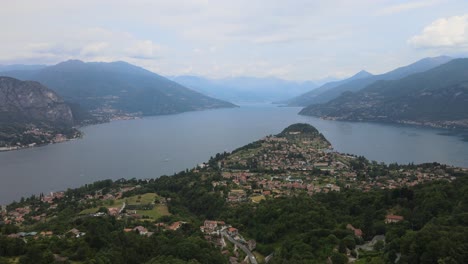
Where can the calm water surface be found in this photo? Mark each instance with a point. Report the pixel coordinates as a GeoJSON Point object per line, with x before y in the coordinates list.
{"type": "Point", "coordinates": [155, 146]}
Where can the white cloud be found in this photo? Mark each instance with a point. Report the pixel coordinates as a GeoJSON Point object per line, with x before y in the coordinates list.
{"type": "Point", "coordinates": [93, 49]}
{"type": "Point", "coordinates": [398, 8]}
{"type": "Point", "coordinates": [451, 32]}
{"type": "Point", "coordinates": [222, 38]}
{"type": "Point", "coordinates": [144, 49]}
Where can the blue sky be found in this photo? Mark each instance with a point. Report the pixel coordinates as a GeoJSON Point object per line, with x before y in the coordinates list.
{"type": "Point", "coordinates": [295, 39]}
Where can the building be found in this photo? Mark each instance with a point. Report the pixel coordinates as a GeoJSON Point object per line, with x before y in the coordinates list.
{"type": "Point", "coordinates": [175, 226]}
{"type": "Point", "coordinates": [357, 232]}
{"type": "Point", "coordinates": [141, 230]}
{"type": "Point", "coordinates": [233, 231]}
{"type": "Point", "coordinates": [209, 226]}
{"type": "Point", "coordinates": [393, 219]}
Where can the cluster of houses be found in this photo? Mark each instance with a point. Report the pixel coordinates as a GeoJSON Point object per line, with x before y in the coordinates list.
{"type": "Point", "coordinates": [20, 214]}
{"type": "Point", "coordinates": [41, 135]}
{"type": "Point", "coordinates": [291, 165]}
{"type": "Point", "coordinates": [279, 153]}
{"type": "Point", "coordinates": [74, 233]}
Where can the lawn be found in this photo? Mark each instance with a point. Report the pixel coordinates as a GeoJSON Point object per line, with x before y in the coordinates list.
{"type": "Point", "coordinates": [257, 199]}
{"type": "Point", "coordinates": [147, 198]}
{"type": "Point", "coordinates": [158, 211]}
{"type": "Point", "coordinates": [260, 258]}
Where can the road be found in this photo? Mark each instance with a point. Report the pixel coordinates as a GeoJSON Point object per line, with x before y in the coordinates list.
{"type": "Point", "coordinates": [251, 256]}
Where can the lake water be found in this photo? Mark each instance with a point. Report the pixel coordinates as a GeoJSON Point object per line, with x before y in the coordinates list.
{"type": "Point", "coordinates": [159, 145]}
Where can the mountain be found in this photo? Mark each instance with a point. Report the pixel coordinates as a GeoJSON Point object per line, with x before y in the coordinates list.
{"type": "Point", "coordinates": [118, 88]}
{"type": "Point", "coordinates": [27, 101]}
{"type": "Point", "coordinates": [305, 98]}
{"type": "Point", "coordinates": [437, 97]}
{"type": "Point", "coordinates": [246, 89]}
{"type": "Point", "coordinates": [359, 83]}
{"type": "Point", "coordinates": [32, 114]}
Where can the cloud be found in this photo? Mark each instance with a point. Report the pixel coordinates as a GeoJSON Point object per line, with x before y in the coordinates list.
{"type": "Point", "coordinates": [93, 49]}
{"type": "Point", "coordinates": [444, 33]}
{"type": "Point", "coordinates": [89, 44]}
{"type": "Point", "coordinates": [221, 38]}
{"type": "Point", "coordinates": [394, 9]}
{"type": "Point", "coordinates": [143, 49]}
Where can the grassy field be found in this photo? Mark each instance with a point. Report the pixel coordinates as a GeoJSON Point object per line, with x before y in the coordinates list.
{"type": "Point", "coordinates": [260, 258]}
{"type": "Point", "coordinates": [147, 198]}
{"type": "Point", "coordinates": [158, 211]}
{"type": "Point", "coordinates": [257, 199]}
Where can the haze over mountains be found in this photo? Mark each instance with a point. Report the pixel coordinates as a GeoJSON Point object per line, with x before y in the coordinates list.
{"type": "Point", "coordinates": [248, 89]}
{"type": "Point", "coordinates": [437, 97]}
{"type": "Point", "coordinates": [359, 81]}
{"type": "Point", "coordinates": [118, 87]}
{"type": "Point", "coordinates": [306, 98]}
{"type": "Point", "coordinates": [107, 90]}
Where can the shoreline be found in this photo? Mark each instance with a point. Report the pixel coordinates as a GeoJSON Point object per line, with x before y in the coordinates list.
{"type": "Point", "coordinates": [8, 149]}
{"type": "Point", "coordinates": [399, 122]}
{"type": "Point", "coordinates": [110, 120]}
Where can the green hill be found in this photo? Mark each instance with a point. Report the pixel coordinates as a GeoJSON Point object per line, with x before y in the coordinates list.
{"type": "Point", "coordinates": [438, 97]}
{"type": "Point", "coordinates": [360, 81]}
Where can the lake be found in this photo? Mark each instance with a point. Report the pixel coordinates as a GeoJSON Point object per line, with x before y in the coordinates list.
{"type": "Point", "coordinates": [162, 145]}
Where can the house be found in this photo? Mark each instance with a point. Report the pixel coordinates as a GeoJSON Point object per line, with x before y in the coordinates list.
{"type": "Point", "coordinates": [357, 232]}
{"type": "Point", "coordinates": [393, 219]}
{"type": "Point", "coordinates": [233, 231]}
{"type": "Point", "coordinates": [75, 232]}
{"type": "Point", "coordinates": [46, 233]}
{"type": "Point", "coordinates": [141, 230]}
{"type": "Point", "coordinates": [113, 211]}
{"type": "Point", "coordinates": [175, 226]}
{"type": "Point", "coordinates": [209, 226]}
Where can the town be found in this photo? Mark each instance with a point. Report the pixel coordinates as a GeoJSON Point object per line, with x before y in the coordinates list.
{"type": "Point", "coordinates": [296, 163]}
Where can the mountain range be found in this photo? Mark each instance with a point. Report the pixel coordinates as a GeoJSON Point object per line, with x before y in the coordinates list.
{"type": "Point", "coordinates": [436, 97]}
{"type": "Point", "coordinates": [247, 89]}
{"type": "Point", "coordinates": [117, 87]}
{"type": "Point", "coordinates": [359, 81]}
{"type": "Point", "coordinates": [305, 98]}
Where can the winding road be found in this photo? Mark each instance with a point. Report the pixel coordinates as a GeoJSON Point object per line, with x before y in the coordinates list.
{"type": "Point", "coordinates": [251, 256]}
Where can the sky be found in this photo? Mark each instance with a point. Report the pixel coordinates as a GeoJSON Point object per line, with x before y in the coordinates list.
{"type": "Point", "coordinates": [293, 39]}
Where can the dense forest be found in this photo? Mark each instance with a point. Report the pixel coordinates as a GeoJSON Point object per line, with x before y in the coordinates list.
{"type": "Point", "coordinates": [300, 229]}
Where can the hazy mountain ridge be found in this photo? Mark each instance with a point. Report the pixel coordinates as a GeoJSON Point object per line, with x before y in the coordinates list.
{"type": "Point", "coordinates": [306, 98]}
{"type": "Point", "coordinates": [118, 87]}
{"type": "Point", "coordinates": [358, 84]}
{"type": "Point", "coordinates": [437, 97]}
{"type": "Point", "coordinates": [247, 89]}
{"type": "Point", "coordinates": [21, 67]}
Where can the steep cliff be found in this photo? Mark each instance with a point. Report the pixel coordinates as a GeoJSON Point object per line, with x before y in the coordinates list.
{"type": "Point", "coordinates": [31, 102]}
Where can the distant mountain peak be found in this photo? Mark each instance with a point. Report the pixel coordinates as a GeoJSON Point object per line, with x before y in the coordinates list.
{"type": "Point", "coordinates": [361, 74]}
{"type": "Point", "coordinates": [70, 62]}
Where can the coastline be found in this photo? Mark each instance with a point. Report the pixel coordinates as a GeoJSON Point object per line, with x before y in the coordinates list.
{"type": "Point", "coordinates": [399, 122]}
{"type": "Point", "coordinates": [35, 145]}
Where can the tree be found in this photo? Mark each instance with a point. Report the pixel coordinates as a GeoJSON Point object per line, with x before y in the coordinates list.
{"type": "Point", "coordinates": [338, 258]}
